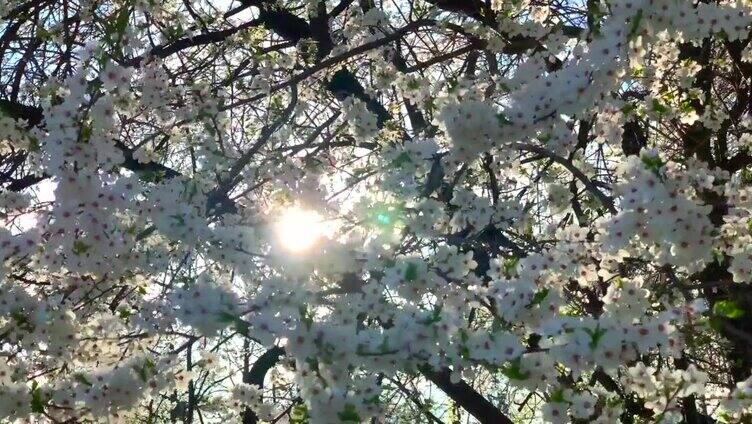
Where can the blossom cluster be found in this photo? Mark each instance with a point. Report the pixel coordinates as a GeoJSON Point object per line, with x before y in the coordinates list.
{"type": "Point", "coordinates": [502, 199]}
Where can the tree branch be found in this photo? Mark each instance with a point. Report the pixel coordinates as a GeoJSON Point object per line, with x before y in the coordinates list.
{"type": "Point", "coordinates": [466, 397]}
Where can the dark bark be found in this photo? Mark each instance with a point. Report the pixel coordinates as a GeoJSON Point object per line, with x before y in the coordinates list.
{"type": "Point", "coordinates": [633, 139]}
{"type": "Point", "coordinates": [465, 396]}
{"type": "Point", "coordinates": [344, 84]}
{"type": "Point", "coordinates": [257, 373]}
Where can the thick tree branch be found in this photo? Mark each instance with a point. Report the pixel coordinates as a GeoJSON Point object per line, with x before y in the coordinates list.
{"type": "Point", "coordinates": [257, 374]}
{"type": "Point", "coordinates": [466, 397]}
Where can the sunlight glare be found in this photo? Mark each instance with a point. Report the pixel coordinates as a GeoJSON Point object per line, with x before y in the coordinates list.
{"type": "Point", "coordinates": [299, 229]}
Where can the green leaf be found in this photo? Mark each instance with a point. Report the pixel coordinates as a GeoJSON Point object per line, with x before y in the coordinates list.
{"type": "Point", "coordinates": [413, 84]}
{"type": "Point", "coordinates": [539, 297]}
{"type": "Point", "coordinates": [209, 128]}
{"type": "Point", "coordinates": [149, 176]}
{"type": "Point", "coordinates": [595, 335]}
{"type": "Point", "coordinates": [513, 371]}
{"type": "Point", "coordinates": [635, 25]}
{"type": "Point", "coordinates": [175, 32]}
{"type": "Point", "coordinates": [718, 255]}
{"type": "Point", "coordinates": [179, 219]}
{"type": "Point", "coordinates": [147, 370]}
{"type": "Point", "coordinates": [43, 34]}
{"type": "Point", "coordinates": [659, 108]}
{"type": "Point", "coordinates": [728, 309]}
{"type": "Point", "coordinates": [121, 23]}
{"type": "Point", "coordinates": [299, 414]}
{"type": "Point", "coordinates": [502, 119]}
{"type": "Point", "coordinates": [557, 396]}
{"type": "Point", "coordinates": [498, 325]}
{"type": "Point", "coordinates": [411, 272]}
{"type": "Point", "coordinates": [81, 378]}
{"type": "Point", "coordinates": [86, 129]}
{"type": "Point", "coordinates": [79, 247]}
{"type": "Point", "coordinates": [384, 345]}
{"type": "Point", "coordinates": [510, 266]}
{"type": "Point", "coordinates": [305, 316]}
{"type": "Point", "coordinates": [20, 318]}
{"type": "Point", "coordinates": [686, 106]}
{"type": "Point", "coordinates": [240, 325]}
{"type": "Point", "coordinates": [225, 317]}
{"type": "Point", "coordinates": [349, 414]}
{"type": "Point", "coordinates": [653, 163]}
{"type": "Point", "coordinates": [435, 315]}
{"type": "Point", "coordinates": [464, 352]}
{"type": "Point", "coordinates": [192, 189]}
{"type": "Point", "coordinates": [373, 400]}
{"type": "Point", "coordinates": [313, 363]}
{"type": "Point", "coordinates": [716, 323]}
{"type": "Point", "coordinates": [402, 159]}
{"type": "Point", "coordinates": [34, 144]}
{"type": "Point", "coordinates": [628, 108]}
{"type": "Point", "coordinates": [37, 401]}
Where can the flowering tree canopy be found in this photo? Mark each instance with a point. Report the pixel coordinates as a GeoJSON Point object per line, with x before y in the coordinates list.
{"type": "Point", "coordinates": [377, 211]}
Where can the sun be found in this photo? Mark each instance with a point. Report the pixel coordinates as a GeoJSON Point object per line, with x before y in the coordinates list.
{"type": "Point", "coordinates": [298, 229]}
